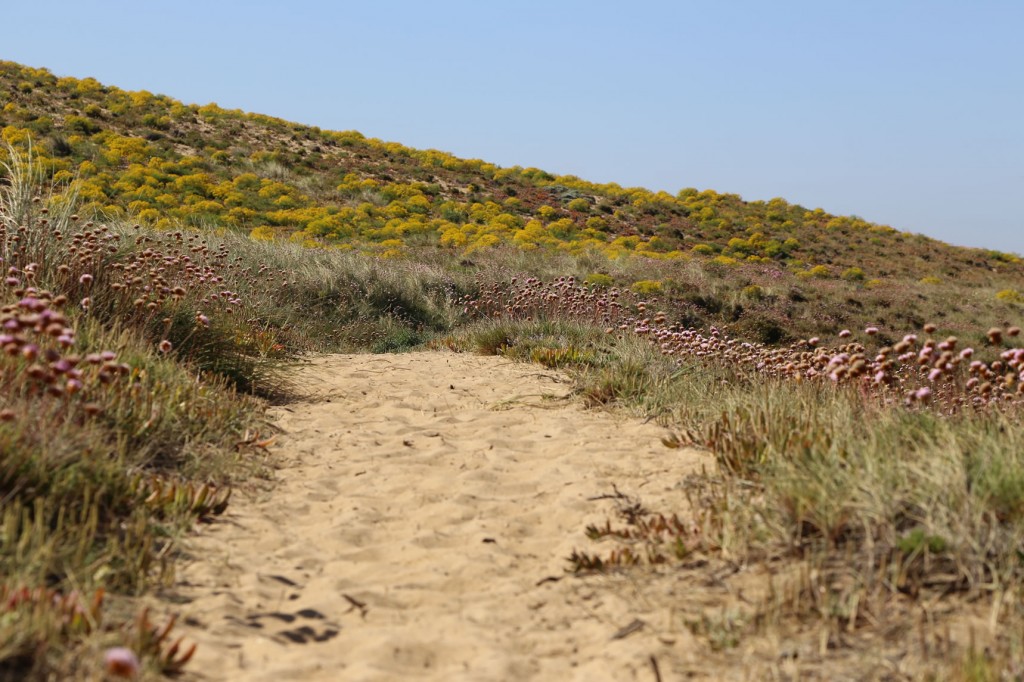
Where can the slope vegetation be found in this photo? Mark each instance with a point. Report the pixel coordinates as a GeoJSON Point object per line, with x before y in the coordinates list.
{"type": "Point", "coordinates": [770, 270]}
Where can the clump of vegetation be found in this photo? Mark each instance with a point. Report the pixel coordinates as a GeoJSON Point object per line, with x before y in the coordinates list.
{"type": "Point", "coordinates": [915, 371]}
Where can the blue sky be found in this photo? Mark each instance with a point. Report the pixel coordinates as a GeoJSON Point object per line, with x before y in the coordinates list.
{"type": "Point", "coordinates": [909, 113]}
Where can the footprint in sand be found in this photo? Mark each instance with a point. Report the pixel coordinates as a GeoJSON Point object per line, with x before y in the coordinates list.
{"type": "Point", "coordinates": [300, 634]}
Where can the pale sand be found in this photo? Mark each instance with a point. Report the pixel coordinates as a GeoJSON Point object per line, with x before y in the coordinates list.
{"type": "Point", "coordinates": [440, 491]}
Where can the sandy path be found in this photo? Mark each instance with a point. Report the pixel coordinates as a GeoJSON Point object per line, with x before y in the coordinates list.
{"type": "Point", "coordinates": [422, 500]}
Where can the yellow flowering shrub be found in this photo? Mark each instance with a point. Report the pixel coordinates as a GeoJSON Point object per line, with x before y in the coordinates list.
{"type": "Point", "coordinates": [647, 287]}
{"type": "Point", "coordinates": [853, 274]}
{"type": "Point", "coordinates": [598, 280]}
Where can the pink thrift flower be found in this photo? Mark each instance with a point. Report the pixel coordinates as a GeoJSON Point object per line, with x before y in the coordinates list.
{"type": "Point", "coordinates": [121, 662]}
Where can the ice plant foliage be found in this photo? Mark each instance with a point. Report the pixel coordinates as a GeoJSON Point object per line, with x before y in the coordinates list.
{"type": "Point", "coordinates": [155, 641]}
{"type": "Point", "coordinates": [73, 613]}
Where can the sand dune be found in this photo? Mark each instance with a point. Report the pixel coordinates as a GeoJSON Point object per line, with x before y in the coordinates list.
{"type": "Point", "coordinates": [419, 526]}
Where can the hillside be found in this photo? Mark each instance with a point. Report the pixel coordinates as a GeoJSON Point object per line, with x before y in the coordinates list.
{"type": "Point", "coordinates": [771, 271]}
{"type": "Point", "coordinates": [172, 271]}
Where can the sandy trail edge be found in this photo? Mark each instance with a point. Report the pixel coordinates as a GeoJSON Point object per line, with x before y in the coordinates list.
{"type": "Point", "coordinates": [438, 491]}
